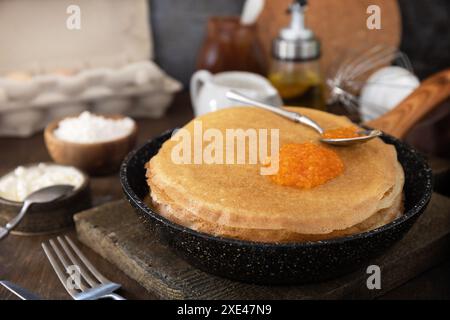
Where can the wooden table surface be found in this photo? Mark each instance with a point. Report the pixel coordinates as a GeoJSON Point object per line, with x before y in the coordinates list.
{"type": "Point", "coordinates": [23, 262]}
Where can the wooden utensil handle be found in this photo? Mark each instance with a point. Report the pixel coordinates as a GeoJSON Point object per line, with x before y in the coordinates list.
{"type": "Point", "coordinates": [425, 98]}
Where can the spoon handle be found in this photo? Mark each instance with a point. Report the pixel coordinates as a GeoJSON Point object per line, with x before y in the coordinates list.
{"type": "Point", "coordinates": [15, 221]}
{"type": "Point", "coordinates": [294, 116]}
{"type": "Point", "coordinates": [3, 232]}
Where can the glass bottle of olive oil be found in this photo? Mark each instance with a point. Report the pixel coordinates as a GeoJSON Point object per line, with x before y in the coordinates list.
{"type": "Point", "coordinates": [295, 70]}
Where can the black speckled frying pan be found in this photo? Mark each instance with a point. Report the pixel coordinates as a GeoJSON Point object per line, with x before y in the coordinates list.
{"type": "Point", "coordinates": [289, 263]}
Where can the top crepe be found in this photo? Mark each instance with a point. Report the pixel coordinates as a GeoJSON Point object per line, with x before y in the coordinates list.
{"type": "Point", "coordinates": [238, 196]}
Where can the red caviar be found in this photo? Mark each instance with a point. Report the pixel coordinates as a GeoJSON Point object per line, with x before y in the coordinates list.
{"type": "Point", "coordinates": [307, 165]}
{"type": "Point", "coordinates": [341, 133]}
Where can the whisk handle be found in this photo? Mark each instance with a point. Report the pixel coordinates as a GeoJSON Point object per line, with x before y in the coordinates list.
{"type": "Point", "coordinates": [425, 98]}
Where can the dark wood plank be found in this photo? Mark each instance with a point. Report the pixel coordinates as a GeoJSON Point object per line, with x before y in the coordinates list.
{"type": "Point", "coordinates": [429, 285]}
{"type": "Point", "coordinates": [116, 232]}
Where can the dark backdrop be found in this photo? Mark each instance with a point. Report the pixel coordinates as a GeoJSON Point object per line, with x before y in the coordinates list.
{"type": "Point", "coordinates": [179, 25]}
{"type": "Point", "coordinates": [426, 34]}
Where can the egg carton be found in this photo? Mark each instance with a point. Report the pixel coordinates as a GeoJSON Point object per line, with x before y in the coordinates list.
{"type": "Point", "coordinates": [139, 89]}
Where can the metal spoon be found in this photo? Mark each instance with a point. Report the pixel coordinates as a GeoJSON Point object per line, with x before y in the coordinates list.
{"type": "Point", "coordinates": [43, 195]}
{"type": "Point", "coordinates": [364, 135]}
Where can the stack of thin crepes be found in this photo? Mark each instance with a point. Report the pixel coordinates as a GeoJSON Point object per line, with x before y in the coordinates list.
{"type": "Point", "coordinates": [236, 201]}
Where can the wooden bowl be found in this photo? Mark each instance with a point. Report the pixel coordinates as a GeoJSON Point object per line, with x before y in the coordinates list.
{"type": "Point", "coordinates": [97, 158]}
{"type": "Point", "coordinates": [43, 218]}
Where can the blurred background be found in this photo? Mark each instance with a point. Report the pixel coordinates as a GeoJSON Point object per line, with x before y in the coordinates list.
{"type": "Point", "coordinates": [179, 29]}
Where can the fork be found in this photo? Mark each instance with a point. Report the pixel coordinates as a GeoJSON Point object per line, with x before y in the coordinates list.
{"type": "Point", "coordinates": [96, 286]}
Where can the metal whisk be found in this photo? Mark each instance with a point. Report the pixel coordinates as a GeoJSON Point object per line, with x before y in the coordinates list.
{"type": "Point", "coordinates": [352, 73]}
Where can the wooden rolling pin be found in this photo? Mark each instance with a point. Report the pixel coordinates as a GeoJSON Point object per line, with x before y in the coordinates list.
{"type": "Point", "coordinates": [431, 92]}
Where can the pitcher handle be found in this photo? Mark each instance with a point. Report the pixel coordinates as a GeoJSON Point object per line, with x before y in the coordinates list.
{"type": "Point", "coordinates": [198, 79]}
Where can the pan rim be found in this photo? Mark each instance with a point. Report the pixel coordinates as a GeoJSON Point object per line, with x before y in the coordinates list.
{"type": "Point", "coordinates": [135, 201]}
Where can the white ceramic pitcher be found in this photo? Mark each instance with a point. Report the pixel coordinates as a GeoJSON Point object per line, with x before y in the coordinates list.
{"type": "Point", "coordinates": [208, 90]}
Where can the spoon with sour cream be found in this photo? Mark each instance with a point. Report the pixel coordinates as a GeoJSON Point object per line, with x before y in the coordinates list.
{"type": "Point", "coordinates": [362, 135]}
{"type": "Point", "coordinates": [44, 195]}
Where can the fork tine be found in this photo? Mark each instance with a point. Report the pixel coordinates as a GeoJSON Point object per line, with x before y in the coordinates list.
{"type": "Point", "coordinates": [91, 268]}
{"type": "Point", "coordinates": [74, 261]}
{"type": "Point", "coordinates": [64, 262]}
{"type": "Point", "coordinates": [61, 275]}
{"type": "Point", "coordinates": [59, 254]}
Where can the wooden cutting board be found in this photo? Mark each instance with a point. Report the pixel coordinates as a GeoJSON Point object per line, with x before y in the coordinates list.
{"type": "Point", "coordinates": [339, 24]}
{"type": "Point", "coordinates": [116, 232]}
